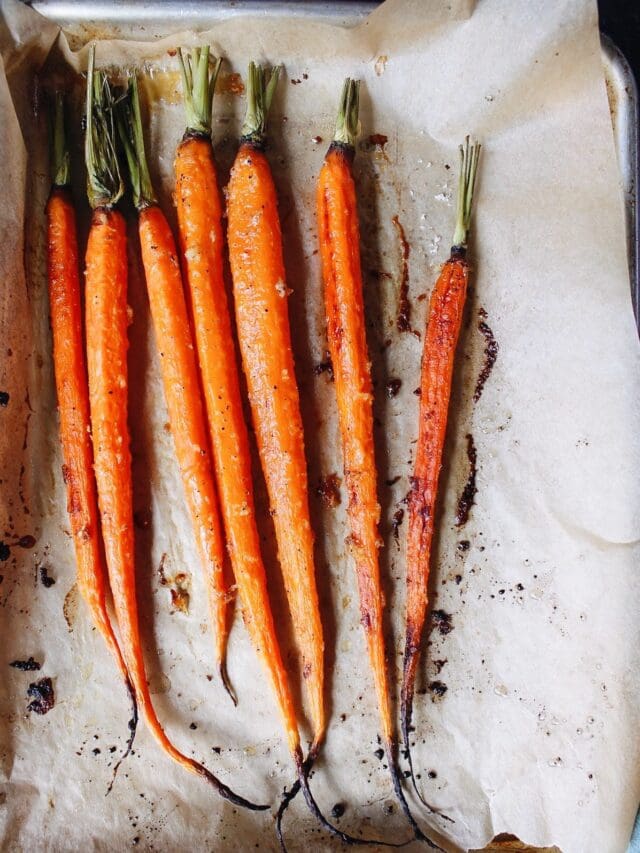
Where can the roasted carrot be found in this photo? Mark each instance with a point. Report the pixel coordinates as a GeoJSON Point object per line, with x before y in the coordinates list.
{"type": "Point", "coordinates": [446, 308]}
{"type": "Point", "coordinates": [106, 323]}
{"type": "Point", "coordinates": [202, 246]}
{"type": "Point", "coordinates": [73, 402]}
{"type": "Point", "coordinates": [339, 239]}
{"type": "Point", "coordinates": [179, 370]}
{"type": "Point", "coordinates": [260, 291]}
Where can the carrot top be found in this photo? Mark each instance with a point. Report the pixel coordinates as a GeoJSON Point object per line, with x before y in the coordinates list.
{"type": "Point", "coordinates": [347, 123]}
{"type": "Point", "coordinates": [129, 121]}
{"type": "Point", "coordinates": [469, 155]}
{"type": "Point", "coordinates": [198, 83]}
{"type": "Point", "coordinates": [60, 162]}
{"type": "Point", "coordinates": [104, 182]}
{"type": "Point", "coordinates": [260, 88]}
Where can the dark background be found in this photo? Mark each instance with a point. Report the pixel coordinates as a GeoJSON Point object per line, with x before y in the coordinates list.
{"type": "Point", "coordinates": [620, 20]}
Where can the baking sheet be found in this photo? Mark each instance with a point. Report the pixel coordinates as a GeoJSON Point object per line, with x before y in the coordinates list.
{"type": "Point", "coordinates": [535, 733]}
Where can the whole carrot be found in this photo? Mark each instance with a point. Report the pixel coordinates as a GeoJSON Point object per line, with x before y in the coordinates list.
{"type": "Point", "coordinates": [106, 322]}
{"type": "Point", "coordinates": [260, 291]}
{"type": "Point", "coordinates": [73, 401]}
{"type": "Point", "coordinates": [446, 308]}
{"type": "Point", "coordinates": [339, 238]}
{"type": "Point", "coordinates": [179, 370]}
{"type": "Point", "coordinates": [202, 246]}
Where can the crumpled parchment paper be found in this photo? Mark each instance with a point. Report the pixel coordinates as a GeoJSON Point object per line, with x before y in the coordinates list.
{"type": "Point", "coordinates": [527, 718]}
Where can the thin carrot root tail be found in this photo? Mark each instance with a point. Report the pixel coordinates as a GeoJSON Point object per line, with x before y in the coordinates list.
{"type": "Point", "coordinates": [469, 156]}
{"type": "Point", "coordinates": [226, 683]}
{"type": "Point", "coordinates": [390, 749]}
{"type": "Point", "coordinates": [302, 783]}
{"type": "Point", "coordinates": [133, 727]}
{"type": "Point", "coordinates": [226, 792]}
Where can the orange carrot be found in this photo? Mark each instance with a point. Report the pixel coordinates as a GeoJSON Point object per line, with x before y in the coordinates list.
{"type": "Point", "coordinates": [179, 370]}
{"type": "Point", "coordinates": [257, 268]}
{"type": "Point", "coordinates": [339, 238]}
{"type": "Point", "coordinates": [106, 322]}
{"type": "Point", "coordinates": [73, 402]}
{"type": "Point", "coordinates": [446, 308]}
{"type": "Point", "coordinates": [202, 245]}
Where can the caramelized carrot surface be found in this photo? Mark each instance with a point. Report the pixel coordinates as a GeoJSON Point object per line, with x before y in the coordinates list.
{"type": "Point", "coordinates": [444, 320]}
{"type": "Point", "coordinates": [107, 319]}
{"type": "Point", "coordinates": [202, 244]}
{"type": "Point", "coordinates": [73, 402]}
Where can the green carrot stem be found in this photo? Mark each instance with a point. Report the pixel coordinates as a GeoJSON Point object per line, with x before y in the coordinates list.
{"type": "Point", "coordinates": [60, 161]}
{"type": "Point", "coordinates": [347, 122]}
{"type": "Point", "coordinates": [129, 118]}
{"type": "Point", "coordinates": [261, 86]}
{"type": "Point", "coordinates": [198, 84]}
{"type": "Point", "coordinates": [469, 156]}
{"type": "Point", "coordinates": [104, 182]}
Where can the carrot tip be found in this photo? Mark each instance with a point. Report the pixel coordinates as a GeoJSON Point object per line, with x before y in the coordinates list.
{"type": "Point", "coordinates": [133, 725]}
{"type": "Point", "coordinates": [224, 675]}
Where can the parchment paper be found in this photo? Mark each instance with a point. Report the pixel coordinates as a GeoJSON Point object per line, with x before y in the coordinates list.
{"type": "Point", "coordinates": [536, 731]}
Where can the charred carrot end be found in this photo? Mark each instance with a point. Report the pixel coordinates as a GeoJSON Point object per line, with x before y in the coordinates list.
{"type": "Point", "coordinates": [73, 402]}
{"type": "Point", "coordinates": [443, 327]}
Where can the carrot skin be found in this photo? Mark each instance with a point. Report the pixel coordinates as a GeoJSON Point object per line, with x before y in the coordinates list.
{"type": "Point", "coordinates": [107, 320]}
{"type": "Point", "coordinates": [339, 237]}
{"type": "Point", "coordinates": [202, 240]}
{"type": "Point", "coordinates": [179, 370]}
{"type": "Point", "coordinates": [446, 309]}
{"type": "Point", "coordinates": [73, 406]}
{"type": "Point", "coordinates": [255, 247]}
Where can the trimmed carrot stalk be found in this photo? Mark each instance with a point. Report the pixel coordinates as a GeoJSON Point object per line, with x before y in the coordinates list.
{"type": "Point", "coordinates": [107, 321]}
{"type": "Point", "coordinates": [202, 245]}
{"type": "Point", "coordinates": [179, 371]}
{"type": "Point", "coordinates": [73, 403]}
{"type": "Point", "coordinates": [446, 309]}
{"type": "Point", "coordinates": [339, 238]}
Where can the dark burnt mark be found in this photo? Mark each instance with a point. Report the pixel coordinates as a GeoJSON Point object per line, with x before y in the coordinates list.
{"type": "Point", "coordinates": [379, 140]}
{"type": "Point", "coordinates": [398, 517]}
{"type": "Point", "coordinates": [468, 496]}
{"type": "Point", "coordinates": [30, 665]}
{"type": "Point", "coordinates": [316, 139]}
{"type": "Point", "coordinates": [403, 320]}
{"type": "Point", "coordinates": [45, 578]}
{"type": "Point", "coordinates": [392, 481]}
{"type": "Point", "coordinates": [379, 754]}
{"type": "Point", "coordinates": [5, 552]}
{"type": "Point", "coordinates": [325, 366]}
{"type": "Point", "coordinates": [432, 774]}
{"type": "Point", "coordinates": [442, 621]}
{"type": "Point", "coordinates": [4, 399]}
{"type": "Point", "coordinates": [329, 490]}
{"type": "Point", "coordinates": [464, 545]}
{"type": "Point", "coordinates": [439, 665]}
{"type": "Point", "coordinates": [27, 542]}
{"type": "Point", "coordinates": [438, 688]}
{"type": "Point", "coordinates": [193, 726]}
{"type": "Point", "coordinates": [458, 579]}
{"type": "Point", "coordinates": [41, 695]}
{"type": "Point", "coordinates": [490, 354]}
{"type": "Point", "coordinates": [393, 387]}
{"type": "Point", "coordinates": [338, 810]}
{"type": "Point", "coordinates": [142, 519]}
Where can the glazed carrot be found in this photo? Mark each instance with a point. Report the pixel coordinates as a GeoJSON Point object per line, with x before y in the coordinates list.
{"type": "Point", "coordinates": [339, 239]}
{"type": "Point", "coordinates": [106, 323]}
{"type": "Point", "coordinates": [446, 307]}
{"type": "Point", "coordinates": [179, 370]}
{"type": "Point", "coordinates": [202, 245]}
{"type": "Point", "coordinates": [73, 402]}
{"type": "Point", "coordinates": [260, 292]}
